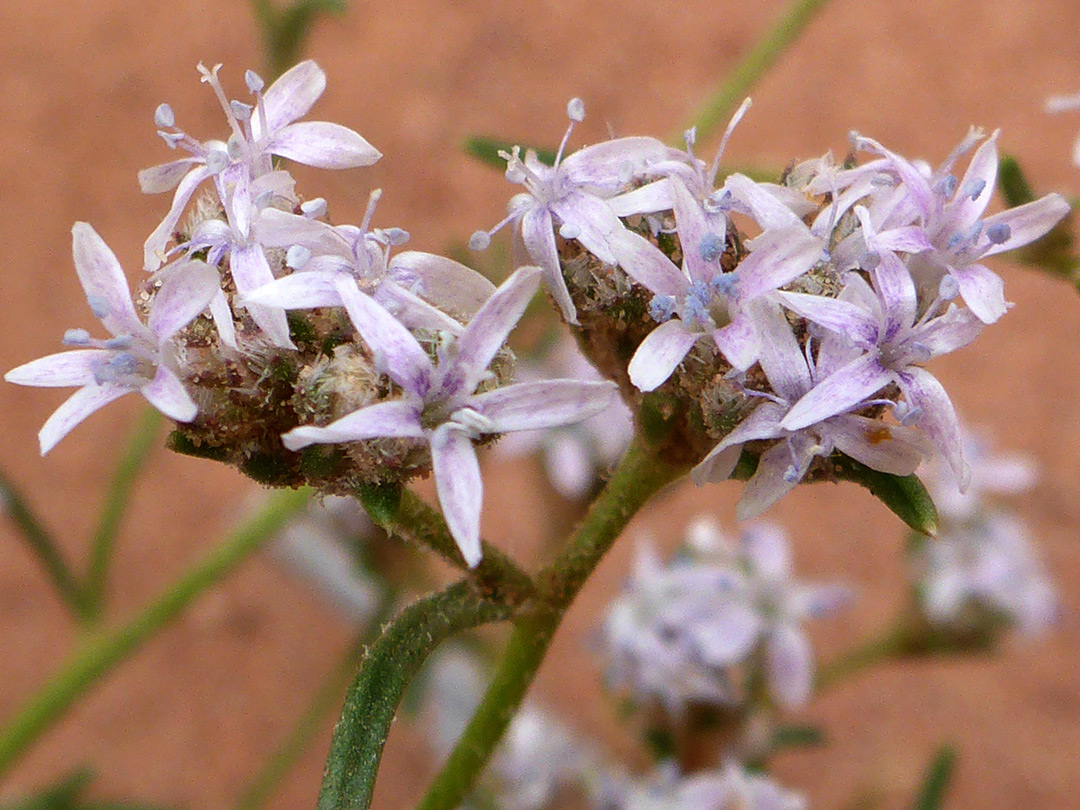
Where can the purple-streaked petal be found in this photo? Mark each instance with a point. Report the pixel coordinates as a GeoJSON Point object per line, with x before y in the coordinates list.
{"type": "Point", "coordinates": [1027, 222]}
{"type": "Point", "coordinates": [896, 289]}
{"type": "Point", "coordinates": [765, 546]}
{"type": "Point", "coordinates": [595, 222]}
{"type": "Point", "coordinates": [777, 257]}
{"type": "Point", "coordinates": [275, 228]}
{"type": "Point", "coordinates": [323, 145]}
{"type": "Point", "coordinates": [648, 199]}
{"type": "Point", "coordinates": [769, 482]}
{"type": "Point", "coordinates": [790, 666]}
{"type": "Point", "coordinates": [981, 175]}
{"type": "Point", "coordinates": [781, 357]}
{"type": "Point", "coordinates": [833, 314]}
{"type": "Point", "coordinates": [166, 393]}
{"type": "Point", "coordinates": [182, 297]}
{"type": "Point", "coordinates": [982, 290]}
{"type": "Point", "coordinates": [545, 404]}
{"type": "Point", "coordinates": [413, 311]}
{"type": "Point", "coordinates": [291, 96]}
{"type": "Point", "coordinates": [839, 392]}
{"type": "Point", "coordinates": [487, 331]}
{"type": "Point", "coordinates": [660, 354]}
{"type": "Point", "coordinates": [164, 177]}
{"type": "Point", "coordinates": [892, 449]}
{"type": "Point", "coordinates": [646, 264]}
{"type": "Point", "coordinates": [690, 219]}
{"type": "Point", "coordinates": [74, 409]}
{"type": "Point", "coordinates": [154, 247]}
{"type": "Point", "coordinates": [538, 236]}
{"type": "Point", "coordinates": [103, 281]}
{"type": "Point", "coordinates": [441, 281]}
{"type": "Point", "coordinates": [303, 290]}
{"type": "Point", "coordinates": [908, 239]}
{"type": "Point", "coordinates": [728, 636]}
{"type": "Point", "coordinates": [739, 342]}
{"type": "Point", "coordinates": [398, 418]}
{"type": "Point", "coordinates": [250, 270]}
{"type": "Point", "coordinates": [938, 420]}
{"type": "Point", "coordinates": [223, 319]}
{"type": "Point", "coordinates": [717, 466]}
{"type": "Point", "coordinates": [598, 165]}
{"type": "Point", "coordinates": [397, 353]}
{"type": "Point", "coordinates": [460, 488]}
{"type": "Point", "coordinates": [60, 370]}
{"type": "Point", "coordinates": [768, 211]}
{"type": "Point", "coordinates": [949, 332]}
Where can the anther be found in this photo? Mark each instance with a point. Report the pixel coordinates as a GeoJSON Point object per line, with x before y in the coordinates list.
{"type": "Point", "coordinates": [396, 236]}
{"type": "Point", "coordinates": [662, 308]}
{"type": "Point", "coordinates": [253, 81]}
{"type": "Point", "coordinates": [99, 305]}
{"type": "Point", "coordinates": [711, 247]}
{"type": "Point", "coordinates": [479, 240]}
{"type": "Point", "coordinates": [949, 288]}
{"type": "Point", "coordinates": [998, 233]}
{"type": "Point", "coordinates": [575, 110]}
{"type": "Point", "coordinates": [163, 116]}
{"type": "Point", "coordinates": [313, 209]}
{"type": "Point", "coordinates": [76, 337]}
{"type": "Point", "coordinates": [569, 230]}
{"type": "Point", "coordinates": [973, 188]}
{"type": "Point", "coordinates": [297, 256]}
{"type": "Point", "coordinates": [241, 110]}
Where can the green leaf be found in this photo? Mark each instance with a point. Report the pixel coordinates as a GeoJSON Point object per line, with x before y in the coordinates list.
{"type": "Point", "coordinates": [1053, 252]}
{"type": "Point", "coordinates": [66, 795]}
{"type": "Point", "coordinates": [381, 501]}
{"type": "Point", "coordinates": [388, 667]}
{"type": "Point", "coordinates": [486, 148]}
{"type": "Point", "coordinates": [936, 782]}
{"type": "Point", "coordinates": [797, 735]}
{"type": "Point", "coordinates": [1012, 183]}
{"type": "Point", "coordinates": [905, 495]}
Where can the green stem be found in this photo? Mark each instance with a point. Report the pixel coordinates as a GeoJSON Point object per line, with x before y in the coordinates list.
{"type": "Point", "coordinates": [327, 697]}
{"type": "Point", "coordinates": [738, 82]}
{"type": "Point", "coordinates": [142, 442]}
{"type": "Point", "coordinates": [104, 651]}
{"type": "Point", "coordinates": [403, 513]}
{"type": "Point", "coordinates": [897, 641]}
{"type": "Point", "coordinates": [388, 668]}
{"type": "Point", "coordinates": [41, 542]}
{"type": "Point", "coordinates": [638, 477]}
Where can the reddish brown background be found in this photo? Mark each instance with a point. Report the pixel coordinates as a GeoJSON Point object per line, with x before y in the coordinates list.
{"type": "Point", "coordinates": [193, 715]}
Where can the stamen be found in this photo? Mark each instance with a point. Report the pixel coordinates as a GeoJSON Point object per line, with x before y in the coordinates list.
{"type": "Point", "coordinates": [711, 247]}
{"type": "Point", "coordinates": [734, 122]}
{"type": "Point", "coordinates": [164, 117]}
{"type": "Point", "coordinates": [662, 308]}
{"type": "Point", "coordinates": [314, 209]}
{"type": "Point", "coordinates": [575, 110]}
{"type": "Point", "coordinates": [474, 423]}
{"type": "Point", "coordinates": [99, 305]}
{"type": "Point", "coordinates": [217, 160]}
{"type": "Point", "coordinates": [172, 139]}
{"type": "Point", "coordinates": [480, 240]}
{"type": "Point", "coordinates": [120, 343]}
{"type": "Point", "coordinates": [723, 283]}
{"type": "Point", "coordinates": [396, 236]}
{"type": "Point", "coordinates": [569, 230]}
{"type": "Point", "coordinates": [949, 288]}
{"type": "Point", "coordinates": [946, 186]}
{"type": "Point", "coordinates": [870, 260]}
{"type": "Point", "coordinates": [253, 81]}
{"type": "Point", "coordinates": [241, 110]}
{"type": "Point", "coordinates": [297, 256]}
{"type": "Point", "coordinates": [998, 233]}
{"type": "Point", "coordinates": [210, 77]}
{"type": "Point", "coordinates": [696, 306]}
{"type": "Point", "coordinates": [116, 367]}
{"type": "Point", "coordinates": [76, 337]}
{"type": "Point", "coordinates": [974, 187]}
{"type": "Point", "coordinates": [369, 212]}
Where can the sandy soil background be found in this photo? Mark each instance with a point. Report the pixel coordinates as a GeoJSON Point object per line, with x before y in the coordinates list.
{"type": "Point", "coordinates": [192, 716]}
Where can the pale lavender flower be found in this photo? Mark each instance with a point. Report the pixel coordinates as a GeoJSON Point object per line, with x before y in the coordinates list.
{"type": "Point", "coordinates": [258, 133]}
{"type": "Point", "coordinates": [678, 629]}
{"type": "Point", "coordinates": [1066, 103]}
{"type": "Point", "coordinates": [139, 357]}
{"type": "Point", "coordinates": [572, 193]}
{"type": "Point", "coordinates": [994, 475]}
{"type": "Point", "coordinates": [888, 448]}
{"type": "Point", "coordinates": [729, 788]}
{"type": "Point", "coordinates": [709, 301]}
{"type": "Point", "coordinates": [892, 344]}
{"type": "Point", "coordinates": [439, 405]}
{"type": "Point", "coordinates": [574, 455]}
{"type": "Point", "coordinates": [414, 286]}
{"type": "Point", "coordinates": [990, 562]}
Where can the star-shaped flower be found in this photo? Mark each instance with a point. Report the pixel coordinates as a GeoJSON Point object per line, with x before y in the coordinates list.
{"type": "Point", "coordinates": [137, 358]}
{"type": "Point", "coordinates": [439, 405]}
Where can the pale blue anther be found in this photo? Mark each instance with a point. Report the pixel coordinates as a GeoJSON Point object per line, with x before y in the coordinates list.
{"type": "Point", "coordinates": [870, 260]}
{"type": "Point", "coordinates": [907, 415]}
{"type": "Point", "coordinates": [569, 230]}
{"type": "Point", "coordinates": [99, 305]}
{"type": "Point", "coordinates": [253, 81]}
{"type": "Point", "coordinates": [164, 117]}
{"type": "Point", "coordinates": [698, 298]}
{"type": "Point", "coordinates": [946, 186]}
{"type": "Point", "coordinates": [313, 209]}
{"type": "Point", "coordinates": [241, 110]}
{"type": "Point", "coordinates": [118, 366]}
{"type": "Point", "coordinates": [711, 247]}
{"type": "Point", "coordinates": [661, 308]}
{"type": "Point", "coordinates": [949, 288]}
{"type": "Point", "coordinates": [723, 283]}
{"type": "Point", "coordinates": [791, 475]}
{"type": "Point", "coordinates": [718, 201]}
{"type": "Point", "coordinates": [974, 187]}
{"type": "Point", "coordinates": [235, 147]}
{"type": "Point", "coordinates": [217, 160]}
{"type": "Point", "coordinates": [998, 233]}
{"type": "Point", "coordinates": [120, 343]}
{"type": "Point", "coordinates": [479, 240]}
{"type": "Point", "coordinates": [76, 337]}
{"type": "Point", "coordinates": [297, 256]}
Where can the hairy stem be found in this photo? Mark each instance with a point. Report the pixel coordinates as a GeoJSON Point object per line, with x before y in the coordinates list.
{"type": "Point", "coordinates": [139, 447]}
{"type": "Point", "coordinates": [637, 478]}
{"type": "Point", "coordinates": [102, 652]}
{"type": "Point", "coordinates": [41, 543]}
{"type": "Point", "coordinates": [719, 107]}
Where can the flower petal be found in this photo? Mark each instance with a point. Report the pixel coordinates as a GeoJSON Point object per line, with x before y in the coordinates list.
{"type": "Point", "coordinates": [728, 636]}
{"type": "Point", "coordinates": [790, 664]}
{"type": "Point", "coordinates": [538, 236]}
{"type": "Point", "coordinates": [154, 247]}
{"type": "Point", "coordinates": [165, 176]}
{"type": "Point", "coordinates": [545, 404]}
{"type": "Point", "coordinates": [646, 264]}
{"type": "Point", "coordinates": [291, 96]}
{"type": "Point", "coordinates": [938, 420]}
{"type": "Point", "coordinates": [60, 370]}
{"type": "Point", "coordinates": [166, 393]}
{"type": "Point", "coordinates": [223, 319]}
{"type": "Point", "coordinates": [840, 391]}
{"type": "Point", "coordinates": [595, 221]}
{"type": "Point", "coordinates": [103, 281]}
{"type": "Point", "coordinates": [834, 314]}
{"type": "Point", "coordinates": [660, 354]}
{"type": "Point", "coordinates": [250, 270]}
{"type": "Point", "coordinates": [185, 293]}
{"type": "Point", "coordinates": [413, 311]}
{"type": "Point", "coordinates": [460, 488]}
{"type": "Point", "coordinates": [888, 448]}
{"type": "Point", "coordinates": [443, 282]}
{"type": "Point", "coordinates": [982, 290]}
{"type": "Point", "coordinates": [648, 199]}
{"type": "Point", "coordinates": [74, 409]}
{"type": "Point", "coordinates": [398, 418]}
{"type": "Point", "coordinates": [323, 145]}
{"type": "Point", "coordinates": [769, 484]}
{"type": "Point", "coordinates": [306, 289]}
{"type": "Point", "coordinates": [1027, 222]}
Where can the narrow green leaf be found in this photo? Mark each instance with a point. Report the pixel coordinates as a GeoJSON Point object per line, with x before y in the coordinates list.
{"type": "Point", "coordinates": [380, 501]}
{"type": "Point", "coordinates": [388, 667]}
{"type": "Point", "coordinates": [937, 779]}
{"type": "Point", "coordinates": [797, 735]}
{"type": "Point", "coordinates": [1012, 182]}
{"type": "Point", "coordinates": [486, 148]}
{"type": "Point", "coordinates": [904, 495]}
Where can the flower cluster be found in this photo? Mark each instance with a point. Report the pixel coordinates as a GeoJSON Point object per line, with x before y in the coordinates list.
{"type": "Point", "coordinates": [397, 361]}
{"type": "Point", "coordinates": [677, 633]}
{"type": "Point", "coordinates": [793, 319]}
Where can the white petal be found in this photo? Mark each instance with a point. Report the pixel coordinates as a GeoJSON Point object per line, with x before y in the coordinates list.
{"type": "Point", "coordinates": [396, 418]}
{"type": "Point", "coordinates": [323, 145]}
{"type": "Point", "coordinates": [922, 390]}
{"type": "Point", "coordinates": [460, 488]}
{"type": "Point", "coordinates": [161, 178]}
{"type": "Point", "coordinates": [103, 281]}
{"type": "Point", "coordinates": [729, 635]}
{"type": "Point", "coordinates": [154, 247]}
{"type": "Point", "coordinates": [646, 264]}
{"type": "Point", "coordinates": [1027, 222]}
{"type": "Point", "coordinates": [983, 291]}
{"type": "Point", "coordinates": [660, 354]}
{"type": "Point", "coordinates": [291, 96]}
{"type": "Point", "coordinates": [166, 393]}
{"type": "Point", "coordinates": [790, 666]}
{"type": "Point", "coordinates": [74, 409]}
{"type": "Point", "coordinates": [306, 289]}
{"type": "Point", "coordinates": [182, 297]}
{"type": "Point", "coordinates": [60, 370]}
{"type": "Point", "coordinates": [839, 392]}
{"type": "Point", "coordinates": [889, 448]}
{"type": "Point", "coordinates": [550, 403]}
{"type": "Point", "coordinates": [768, 484]}
{"type": "Point", "coordinates": [250, 270]}
{"type": "Point", "coordinates": [441, 281]}
{"type": "Point", "coordinates": [538, 236]}
{"type": "Point", "coordinates": [223, 319]}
